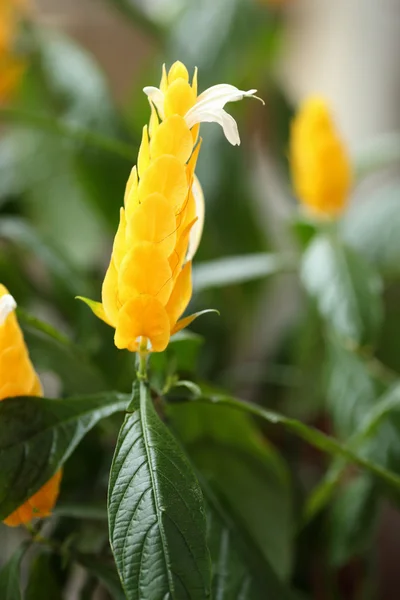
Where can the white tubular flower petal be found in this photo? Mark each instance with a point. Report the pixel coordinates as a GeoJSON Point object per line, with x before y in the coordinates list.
{"type": "Point", "coordinates": [156, 96]}
{"type": "Point", "coordinates": [210, 108]}
{"type": "Point", "coordinates": [197, 229]}
{"type": "Point", "coordinates": [219, 116]}
{"type": "Point", "coordinates": [219, 95]}
{"type": "Point", "coordinates": [7, 305]}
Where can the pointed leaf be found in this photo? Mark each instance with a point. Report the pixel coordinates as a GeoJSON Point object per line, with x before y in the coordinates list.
{"type": "Point", "coordinates": [156, 513]}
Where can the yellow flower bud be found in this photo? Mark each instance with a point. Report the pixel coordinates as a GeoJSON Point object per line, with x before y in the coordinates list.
{"type": "Point", "coordinates": [11, 67]}
{"type": "Point", "coordinates": [321, 169]}
{"type": "Point", "coordinates": [18, 378]}
{"type": "Point", "coordinates": [148, 284]}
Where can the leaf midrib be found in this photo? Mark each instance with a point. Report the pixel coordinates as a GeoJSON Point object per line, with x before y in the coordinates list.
{"type": "Point", "coordinates": [147, 445]}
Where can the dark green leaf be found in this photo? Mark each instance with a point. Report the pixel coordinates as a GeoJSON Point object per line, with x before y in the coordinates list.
{"type": "Point", "coordinates": [239, 572]}
{"type": "Point", "coordinates": [245, 471]}
{"type": "Point", "coordinates": [372, 228]}
{"type": "Point", "coordinates": [345, 288]}
{"type": "Point", "coordinates": [10, 588]}
{"type": "Point", "coordinates": [42, 577]}
{"type": "Point", "coordinates": [37, 435]}
{"type": "Point", "coordinates": [156, 513]}
{"type": "Point", "coordinates": [235, 270]}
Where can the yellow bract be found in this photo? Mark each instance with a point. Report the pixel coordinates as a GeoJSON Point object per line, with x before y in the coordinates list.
{"type": "Point", "coordinates": [321, 169]}
{"type": "Point", "coordinates": [18, 378]}
{"type": "Point", "coordinates": [11, 67]}
{"type": "Point", "coordinates": [148, 286]}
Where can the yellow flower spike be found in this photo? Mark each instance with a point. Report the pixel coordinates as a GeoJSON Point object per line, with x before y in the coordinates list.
{"type": "Point", "coordinates": [18, 378]}
{"type": "Point", "coordinates": [11, 66]}
{"type": "Point", "coordinates": [166, 175]}
{"type": "Point", "coordinates": [109, 295]}
{"type": "Point", "coordinates": [173, 137]}
{"type": "Point", "coordinates": [181, 294]}
{"type": "Point", "coordinates": [178, 71]}
{"type": "Point", "coordinates": [143, 316]}
{"type": "Point", "coordinates": [148, 283]}
{"type": "Point", "coordinates": [144, 152]}
{"type": "Point", "coordinates": [145, 270]}
{"type": "Point", "coordinates": [153, 221]}
{"type": "Point", "coordinates": [179, 98]}
{"type": "Point", "coordinates": [119, 245]}
{"type": "Point", "coordinates": [320, 165]}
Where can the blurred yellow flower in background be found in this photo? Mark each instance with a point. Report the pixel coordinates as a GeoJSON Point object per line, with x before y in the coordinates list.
{"type": "Point", "coordinates": [11, 66]}
{"type": "Point", "coordinates": [320, 165]}
{"type": "Point", "coordinates": [18, 378]}
{"type": "Point", "coordinates": [148, 283]}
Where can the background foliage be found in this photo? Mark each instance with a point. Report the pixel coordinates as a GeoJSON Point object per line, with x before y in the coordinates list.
{"type": "Point", "coordinates": [300, 476]}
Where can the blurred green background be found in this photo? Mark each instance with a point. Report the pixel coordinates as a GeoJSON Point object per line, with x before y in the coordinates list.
{"type": "Point", "coordinates": [68, 141]}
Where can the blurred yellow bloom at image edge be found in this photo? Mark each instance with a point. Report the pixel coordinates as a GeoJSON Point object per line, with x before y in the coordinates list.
{"type": "Point", "coordinates": [320, 165]}
{"type": "Point", "coordinates": [148, 284]}
{"type": "Point", "coordinates": [18, 378]}
{"type": "Point", "coordinates": [11, 66]}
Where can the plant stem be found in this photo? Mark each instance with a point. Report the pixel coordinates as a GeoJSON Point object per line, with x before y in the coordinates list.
{"type": "Point", "coordinates": [142, 358]}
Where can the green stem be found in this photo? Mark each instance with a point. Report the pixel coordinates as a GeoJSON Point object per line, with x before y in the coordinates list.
{"type": "Point", "coordinates": [58, 127]}
{"type": "Point", "coordinates": [313, 436]}
{"type": "Point", "coordinates": [142, 358]}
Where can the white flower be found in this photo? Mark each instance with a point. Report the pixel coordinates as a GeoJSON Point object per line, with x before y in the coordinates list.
{"type": "Point", "coordinates": [7, 305]}
{"type": "Point", "coordinates": [209, 107]}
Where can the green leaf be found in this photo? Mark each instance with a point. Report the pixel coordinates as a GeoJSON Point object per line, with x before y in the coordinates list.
{"type": "Point", "coordinates": [10, 588]}
{"type": "Point", "coordinates": [244, 471]}
{"type": "Point", "coordinates": [235, 270]}
{"type": "Point", "coordinates": [42, 576]}
{"type": "Point", "coordinates": [20, 233]}
{"type": "Point", "coordinates": [239, 572]}
{"type": "Point", "coordinates": [372, 228]}
{"type": "Point", "coordinates": [37, 435]}
{"type": "Point", "coordinates": [315, 438]}
{"type": "Point", "coordinates": [351, 390]}
{"type": "Point", "coordinates": [346, 289]}
{"type": "Point", "coordinates": [156, 513]}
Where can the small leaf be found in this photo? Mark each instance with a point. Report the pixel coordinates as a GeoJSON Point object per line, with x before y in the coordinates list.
{"type": "Point", "coordinates": [9, 576]}
{"type": "Point", "coordinates": [236, 270]}
{"type": "Point", "coordinates": [346, 289]}
{"type": "Point", "coordinates": [156, 513]}
{"type": "Point", "coordinates": [37, 435]}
